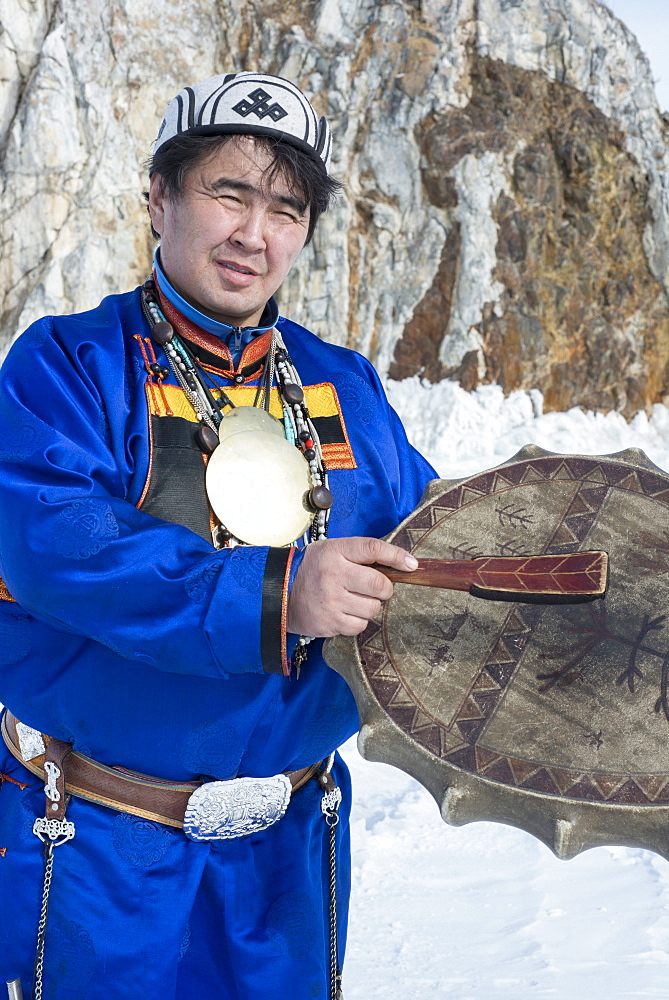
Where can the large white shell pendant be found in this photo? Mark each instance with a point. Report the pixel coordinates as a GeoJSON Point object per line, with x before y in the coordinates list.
{"type": "Point", "coordinates": [257, 482]}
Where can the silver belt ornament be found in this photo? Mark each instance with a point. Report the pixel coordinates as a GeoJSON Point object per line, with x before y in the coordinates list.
{"type": "Point", "coordinates": [222, 810]}
{"type": "Point", "coordinates": [56, 831]}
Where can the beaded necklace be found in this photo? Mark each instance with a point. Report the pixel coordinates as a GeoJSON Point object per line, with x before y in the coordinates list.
{"type": "Point", "coordinates": [298, 426]}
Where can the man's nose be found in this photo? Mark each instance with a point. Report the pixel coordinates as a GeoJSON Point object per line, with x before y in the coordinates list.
{"type": "Point", "coordinates": [249, 231]}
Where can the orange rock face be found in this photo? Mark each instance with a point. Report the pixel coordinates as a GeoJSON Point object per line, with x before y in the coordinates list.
{"type": "Point", "coordinates": [581, 316]}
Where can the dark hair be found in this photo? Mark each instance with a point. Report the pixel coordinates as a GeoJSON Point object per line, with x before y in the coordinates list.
{"type": "Point", "coordinates": [306, 178]}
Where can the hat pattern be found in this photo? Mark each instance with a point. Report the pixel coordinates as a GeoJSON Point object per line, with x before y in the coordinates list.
{"type": "Point", "coordinates": [248, 104]}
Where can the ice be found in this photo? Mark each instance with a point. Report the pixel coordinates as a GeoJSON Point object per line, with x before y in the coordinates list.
{"type": "Point", "coordinates": [463, 432]}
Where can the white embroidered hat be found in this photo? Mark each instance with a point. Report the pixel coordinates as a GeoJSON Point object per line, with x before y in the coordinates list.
{"type": "Point", "coordinates": [248, 104]}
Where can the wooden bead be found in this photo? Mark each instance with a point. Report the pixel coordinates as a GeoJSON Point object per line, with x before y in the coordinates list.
{"type": "Point", "coordinates": [293, 393]}
{"type": "Point", "coordinates": [207, 438]}
{"type": "Point", "coordinates": [221, 536]}
{"type": "Point", "coordinates": [320, 498]}
{"type": "Point", "coordinates": [162, 333]}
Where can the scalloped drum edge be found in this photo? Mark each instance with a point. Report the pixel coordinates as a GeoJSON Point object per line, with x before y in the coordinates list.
{"type": "Point", "coordinates": [567, 826]}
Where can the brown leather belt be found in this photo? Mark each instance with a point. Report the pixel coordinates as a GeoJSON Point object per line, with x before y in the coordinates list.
{"type": "Point", "coordinates": [117, 788]}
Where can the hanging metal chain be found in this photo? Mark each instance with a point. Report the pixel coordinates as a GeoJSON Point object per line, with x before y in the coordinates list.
{"type": "Point", "coordinates": [330, 808]}
{"type": "Point", "coordinates": [53, 830]}
{"type": "Point", "coordinates": [198, 404]}
{"type": "Point", "coordinates": [335, 974]}
{"type": "Point", "coordinates": [41, 927]}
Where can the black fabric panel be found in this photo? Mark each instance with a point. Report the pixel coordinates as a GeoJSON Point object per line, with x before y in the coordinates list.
{"type": "Point", "coordinates": [207, 357]}
{"type": "Point", "coordinates": [329, 430]}
{"type": "Point", "coordinates": [272, 599]}
{"type": "Point", "coordinates": [221, 364]}
{"type": "Point", "coordinates": [177, 491]}
{"type": "Point", "coordinates": [174, 432]}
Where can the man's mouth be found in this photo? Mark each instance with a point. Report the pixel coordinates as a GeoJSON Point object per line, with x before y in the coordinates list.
{"type": "Point", "coordinates": [239, 268]}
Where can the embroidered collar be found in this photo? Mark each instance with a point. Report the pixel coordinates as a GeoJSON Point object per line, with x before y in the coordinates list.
{"type": "Point", "coordinates": [206, 336]}
{"type": "Point", "coordinates": [221, 330]}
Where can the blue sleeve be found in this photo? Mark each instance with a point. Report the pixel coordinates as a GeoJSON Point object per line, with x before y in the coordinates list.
{"type": "Point", "coordinates": [415, 471]}
{"type": "Point", "coordinates": [78, 556]}
{"type": "Point", "coordinates": [408, 471]}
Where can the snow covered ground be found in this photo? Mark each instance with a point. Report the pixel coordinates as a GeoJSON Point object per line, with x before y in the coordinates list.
{"type": "Point", "coordinates": [486, 912]}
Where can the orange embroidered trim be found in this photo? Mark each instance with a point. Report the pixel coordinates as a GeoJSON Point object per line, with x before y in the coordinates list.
{"type": "Point", "coordinates": [321, 400]}
{"type": "Point", "coordinates": [253, 352]}
{"type": "Point", "coordinates": [149, 400]}
{"type": "Point", "coordinates": [149, 382]}
{"type": "Point", "coordinates": [338, 456]}
{"type": "Point", "coordinates": [285, 664]}
{"type": "Point", "coordinates": [4, 593]}
{"type": "Point", "coordinates": [140, 340]}
{"type": "Point", "coordinates": [248, 379]}
{"type": "Point", "coordinates": [241, 395]}
{"type": "Point", "coordinates": [192, 332]}
{"type": "Point", "coordinates": [149, 344]}
{"type": "Point", "coordinates": [253, 376]}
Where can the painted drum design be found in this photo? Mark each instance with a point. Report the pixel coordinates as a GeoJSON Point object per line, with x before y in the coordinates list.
{"type": "Point", "coordinates": [551, 718]}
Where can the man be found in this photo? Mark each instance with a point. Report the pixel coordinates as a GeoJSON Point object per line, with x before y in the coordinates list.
{"type": "Point", "coordinates": [169, 664]}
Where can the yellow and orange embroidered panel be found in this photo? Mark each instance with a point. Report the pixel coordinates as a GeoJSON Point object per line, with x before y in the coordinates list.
{"type": "Point", "coordinates": [4, 593]}
{"type": "Point", "coordinates": [321, 401]}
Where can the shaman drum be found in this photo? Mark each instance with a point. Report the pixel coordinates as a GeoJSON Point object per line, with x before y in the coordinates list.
{"type": "Point", "coordinates": [554, 719]}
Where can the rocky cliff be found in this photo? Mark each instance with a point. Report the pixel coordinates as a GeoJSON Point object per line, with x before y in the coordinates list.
{"type": "Point", "coordinates": [507, 193]}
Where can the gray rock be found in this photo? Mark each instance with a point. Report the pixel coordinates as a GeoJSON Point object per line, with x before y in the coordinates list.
{"type": "Point", "coordinates": [506, 205]}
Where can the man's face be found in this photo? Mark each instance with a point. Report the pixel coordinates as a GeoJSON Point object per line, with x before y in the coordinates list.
{"type": "Point", "coordinates": [229, 241]}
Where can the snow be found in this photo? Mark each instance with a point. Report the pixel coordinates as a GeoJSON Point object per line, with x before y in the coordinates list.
{"type": "Point", "coordinates": [486, 911]}
{"type": "Point", "coordinates": [462, 433]}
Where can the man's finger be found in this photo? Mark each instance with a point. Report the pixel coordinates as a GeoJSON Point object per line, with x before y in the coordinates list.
{"type": "Point", "coordinates": [351, 625]}
{"type": "Point", "coordinates": [362, 606]}
{"type": "Point", "coordinates": [338, 580]}
{"type": "Point", "coordinates": [368, 582]}
{"type": "Point", "coordinates": [367, 551]}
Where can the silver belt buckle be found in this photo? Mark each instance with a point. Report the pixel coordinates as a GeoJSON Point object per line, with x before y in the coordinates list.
{"type": "Point", "coordinates": [221, 810]}
{"type": "Point", "coordinates": [31, 743]}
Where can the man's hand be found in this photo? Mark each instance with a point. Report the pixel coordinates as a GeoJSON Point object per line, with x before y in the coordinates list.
{"type": "Point", "coordinates": [336, 591]}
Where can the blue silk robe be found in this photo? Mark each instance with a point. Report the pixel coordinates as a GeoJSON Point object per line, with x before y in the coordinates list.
{"type": "Point", "coordinates": [131, 637]}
